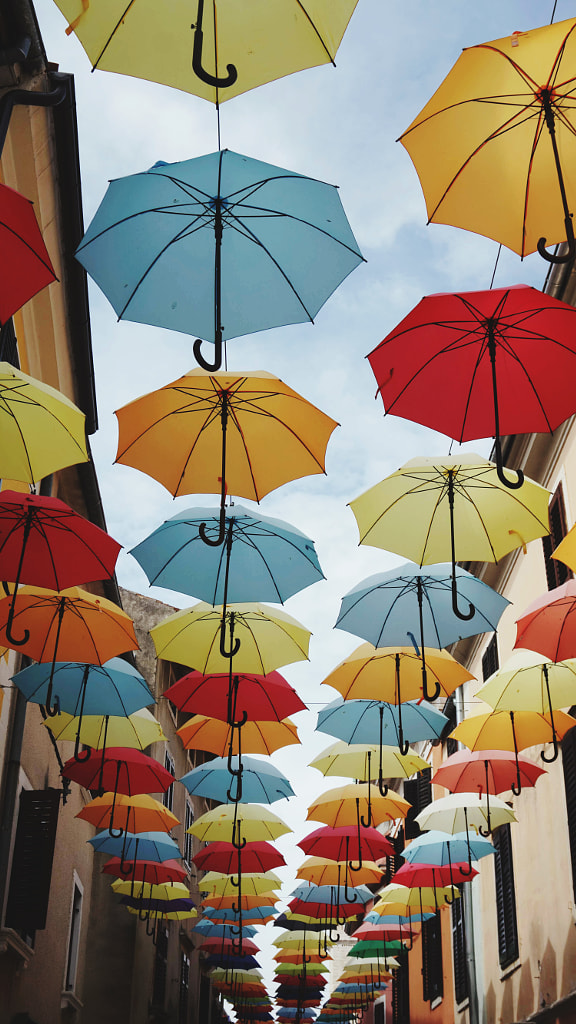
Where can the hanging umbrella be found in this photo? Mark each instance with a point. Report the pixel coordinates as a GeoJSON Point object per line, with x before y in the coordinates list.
{"type": "Point", "coordinates": [465, 811]}
{"type": "Point", "coordinates": [485, 772]}
{"type": "Point", "coordinates": [244, 53]}
{"type": "Point", "coordinates": [513, 730]}
{"type": "Point", "coordinates": [222, 884]}
{"type": "Point", "coordinates": [414, 605]}
{"type": "Point", "coordinates": [260, 782]}
{"type": "Point", "coordinates": [147, 871]}
{"type": "Point", "coordinates": [25, 266]}
{"type": "Point", "coordinates": [223, 433]}
{"type": "Point", "coordinates": [210, 928]}
{"type": "Point", "coordinates": [137, 730]}
{"type": "Point", "coordinates": [323, 871]}
{"type": "Point", "coordinates": [152, 891]}
{"type": "Point", "coordinates": [547, 625]}
{"type": "Point", "coordinates": [527, 683]}
{"type": "Point", "coordinates": [492, 144]}
{"type": "Point", "coordinates": [345, 805]}
{"type": "Point", "coordinates": [263, 559]}
{"type": "Point", "coordinates": [202, 733]}
{"type": "Point", "coordinates": [270, 696]}
{"type": "Point", "coordinates": [184, 246]}
{"type": "Point", "coordinates": [359, 761]}
{"type": "Point", "coordinates": [373, 721]}
{"type": "Point", "coordinates": [453, 506]}
{"type": "Point", "coordinates": [141, 813]}
{"type": "Point", "coordinates": [156, 846]}
{"type": "Point", "coordinates": [416, 875]}
{"type": "Point", "coordinates": [256, 856]}
{"type": "Point", "coordinates": [238, 823]}
{"type": "Point", "coordinates": [72, 625]}
{"type": "Point", "coordinates": [41, 430]}
{"type": "Point", "coordinates": [257, 914]}
{"type": "Point", "coordinates": [346, 843]}
{"type": "Point", "coordinates": [119, 770]}
{"type": "Point", "coordinates": [481, 364]}
{"type": "Point", "coordinates": [440, 848]}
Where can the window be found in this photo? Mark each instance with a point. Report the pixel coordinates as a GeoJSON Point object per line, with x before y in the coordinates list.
{"type": "Point", "coordinates": [9, 344]}
{"type": "Point", "coordinates": [74, 938]}
{"type": "Point", "coordinates": [188, 839]}
{"type": "Point", "coordinates": [169, 764]}
{"type": "Point", "coordinates": [432, 973]}
{"type": "Point", "coordinates": [160, 967]}
{"type": "Point", "coordinates": [461, 990]}
{"type": "Point", "coordinates": [401, 992]}
{"type": "Point", "coordinates": [449, 710]}
{"type": "Point", "coordinates": [29, 891]}
{"type": "Point", "coordinates": [569, 765]}
{"type": "Point", "coordinates": [556, 572]}
{"type": "Point", "coordinates": [417, 792]}
{"type": "Point", "coordinates": [183, 988]}
{"type": "Point", "coordinates": [490, 659]}
{"type": "Point", "coordinates": [505, 897]}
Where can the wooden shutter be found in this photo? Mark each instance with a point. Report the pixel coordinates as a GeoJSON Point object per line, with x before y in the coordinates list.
{"type": "Point", "coordinates": [490, 659]}
{"type": "Point", "coordinates": [505, 896]}
{"type": "Point", "coordinates": [432, 973]}
{"type": "Point", "coordinates": [401, 992]}
{"type": "Point", "coordinates": [569, 765]}
{"type": "Point", "coordinates": [160, 967]}
{"type": "Point", "coordinates": [31, 874]}
{"type": "Point", "coordinates": [461, 990]}
{"type": "Point", "coordinates": [556, 572]}
{"type": "Point", "coordinates": [417, 792]}
{"type": "Point", "coordinates": [449, 710]}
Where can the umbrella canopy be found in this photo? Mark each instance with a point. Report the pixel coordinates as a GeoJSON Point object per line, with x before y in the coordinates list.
{"type": "Point", "coordinates": [137, 730]}
{"type": "Point", "coordinates": [416, 875]}
{"type": "Point", "coordinates": [243, 54]}
{"type": "Point", "coordinates": [263, 559]}
{"type": "Point", "coordinates": [485, 771]}
{"type": "Point", "coordinates": [233, 823]}
{"type": "Point", "coordinates": [120, 770]}
{"type": "Point", "coordinates": [480, 364]}
{"type": "Point", "coordinates": [256, 856]}
{"type": "Point", "coordinates": [261, 782]}
{"type": "Point", "coordinates": [345, 843]}
{"type": "Point", "coordinates": [341, 806]}
{"type": "Point", "coordinates": [268, 638]}
{"type": "Point", "coordinates": [222, 883]}
{"type": "Point", "coordinates": [322, 871]}
{"type": "Point", "coordinates": [373, 721]}
{"type": "Point", "coordinates": [251, 914]}
{"type": "Point", "coordinates": [141, 813]}
{"type": "Point", "coordinates": [156, 846]}
{"type": "Point", "coordinates": [269, 697]}
{"type": "Point", "coordinates": [547, 625]}
{"type": "Point", "coordinates": [115, 688]}
{"type": "Point", "coordinates": [202, 733]}
{"type": "Point", "coordinates": [460, 811]}
{"type": "Point", "coordinates": [360, 761]}
{"type": "Point", "coordinates": [486, 146]}
{"type": "Point", "coordinates": [152, 891]}
{"type": "Point", "coordinates": [512, 730]}
{"type": "Point", "coordinates": [25, 266]}
{"type": "Point", "coordinates": [442, 848]}
{"type": "Point", "coordinates": [40, 429]}
{"type": "Point", "coordinates": [184, 245]}
{"type": "Point", "coordinates": [146, 871]}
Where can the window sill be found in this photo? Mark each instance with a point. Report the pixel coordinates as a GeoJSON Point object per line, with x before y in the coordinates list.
{"type": "Point", "coordinates": [436, 1002]}
{"type": "Point", "coordinates": [511, 969]}
{"type": "Point", "coordinates": [68, 1001]}
{"type": "Point", "coordinates": [10, 942]}
{"type": "Point", "coordinates": [461, 1007]}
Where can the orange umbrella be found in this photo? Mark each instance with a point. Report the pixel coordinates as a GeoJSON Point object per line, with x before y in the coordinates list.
{"type": "Point", "coordinates": [203, 733]}
{"type": "Point", "coordinates": [119, 813]}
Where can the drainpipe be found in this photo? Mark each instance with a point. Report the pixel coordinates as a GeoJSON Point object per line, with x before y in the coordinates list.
{"type": "Point", "coordinates": [28, 97]}
{"type": "Point", "coordinates": [474, 1014]}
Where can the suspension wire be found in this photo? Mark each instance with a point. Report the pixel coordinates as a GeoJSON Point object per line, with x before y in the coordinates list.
{"type": "Point", "coordinates": [553, 11]}
{"type": "Point", "coordinates": [495, 266]}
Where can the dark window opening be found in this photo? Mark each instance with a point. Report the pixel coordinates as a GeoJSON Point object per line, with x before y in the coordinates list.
{"type": "Point", "coordinates": [417, 792]}
{"type": "Point", "coordinates": [9, 345]}
{"type": "Point", "coordinates": [31, 874]}
{"type": "Point", "coordinates": [490, 659]}
{"type": "Point", "coordinates": [401, 992]}
{"type": "Point", "coordinates": [505, 897]}
{"type": "Point", "coordinates": [461, 990]}
{"type": "Point", "coordinates": [160, 968]}
{"type": "Point", "coordinates": [449, 710]}
{"type": "Point", "coordinates": [556, 572]}
{"type": "Point", "coordinates": [432, 973]}
{"type": "Point", "coordinates": [569, 766]}
{"type": "Point", "coordinates": [183, 988]}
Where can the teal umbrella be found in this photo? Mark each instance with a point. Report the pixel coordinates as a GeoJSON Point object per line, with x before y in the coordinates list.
{"type": "Point", "coordinates": [219, 246]}
{"type": "Point", "coordinates": [256, 782]}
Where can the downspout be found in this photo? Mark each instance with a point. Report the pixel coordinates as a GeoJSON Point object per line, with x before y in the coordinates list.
{"type": "Point", "coordinates": [474, 1012]}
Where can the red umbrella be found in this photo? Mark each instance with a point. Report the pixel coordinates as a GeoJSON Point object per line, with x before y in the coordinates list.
{"type": "Point", "coordinates": [223, 857]}
{"type": "Point", "coordinates": [347, 843]}
{"type": "Point", "coordinates": [486, 771]}
{"type": "Point", "coordinates": [266, 698]}
{"type": "Point", "coordinates": [119, 770]}
{"type": "Point", "coordinates": [25, 266]}
{"type": "Point", "coordinates": [481, 364]}
{"type": "Point", "coordinates": [222, 945]}
{"type": "Point", "coordinates": [417, 876]}
{"type": "Point", "coordinates": [325, 911]}
{"type": "Point", "coordinates": [147, 870]}
{"type": "Point", "coordinates": [548, 626]}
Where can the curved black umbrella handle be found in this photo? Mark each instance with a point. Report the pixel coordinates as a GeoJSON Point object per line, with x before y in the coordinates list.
{"type": "Point", "coordinates": [556, 748]}
{"type": "Point", "coordinates": [235, 798]}
{"type": "Point", "coordinates": [224, 422]}
{"type": "Point", "coordinates": [200, 72]}
{"type": "Point", "coordinates": [369, 809]}
{"type": "Point", "coordinates": [238, 845]}
{"type": "Point", "coordinates": [234, 642]}
{"type": "Point", "coordinates": [205, 363]}
{"type": "Point", "coordinates": [487, 831]}
{"type": "Point", "coordinates": [513, 485]}
{"type": "Point", "coordinates": [382, 786]}
{"type": "Point", "coordinates": [449, 900]}
{"type": "Point", "coordinates": [116, 832]}
{"type": "Point", "coordinates": [516, 789]}
{"type": "Point", "coordinates": [215, 542]}
{"type": "Point", "coordinates": [350, 864]}
{"type": "Point", "coordinates": [403, 745]}
{"type": "Point", "coordinates": [126, 865]}
{"type": "Point", "coordinates": [422, 652]}
{"type": "Point", "coordinates": [545, 97]}
{"type": "Point", "coordinates": [568, 256]}
{"type": "Point", "coordinates": [12, 639]}
{"type": "Point", "coordinates": [53, 711]}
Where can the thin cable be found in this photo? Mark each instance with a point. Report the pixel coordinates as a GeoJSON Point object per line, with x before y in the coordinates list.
{"type": "Point", "coordinates": [553, 11]}
{"type": "Point", "coordinates": [495, 267]}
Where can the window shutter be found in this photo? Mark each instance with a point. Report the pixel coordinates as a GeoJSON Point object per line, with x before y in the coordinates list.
{"type": "Point", "coordinates": [31, 874]}
{"type": "Point", "coordinates": [569, 765]}
{"type": "Point", "coordinates": [160, 967]}
{"type": "Point", "coordinates": [556, 572]}
{"type": "Point", "coordinates": [505, 897]}
{"type": "Point", "coordinates": [401, 992]}
{"type": "Point", "coordinates": [432, 973]}
{"type": "Point", "coordinates": [490, 659]}
{"type": "Point", "coordinates": [449, 710]}
{"type": "Point", "coordinates": [417, 792]}
{"type": "Point", "coordinates": [459, 948]}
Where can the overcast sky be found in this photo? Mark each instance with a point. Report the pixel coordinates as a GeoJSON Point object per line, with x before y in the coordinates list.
{"type": "Point", "coordinates": [338, 125]}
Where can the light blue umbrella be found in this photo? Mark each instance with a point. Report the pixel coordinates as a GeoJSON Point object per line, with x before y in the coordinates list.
{"type": "Point", "coordinates": [259, 782]}
{"type": "Point", "coordinates": [223, 930]}
{"type": "Point", "coordinates": [218, 246]}
{"type": "Point", "coordinates": [263, 559]}
{"type": "Point", "coordinates": [156, 846]}
{"type": "Point", "coordinates": [331, 893]}
{"type": "Point", "coordinates": [115, 688]}
{"type": "Point", "coordinates": [371, 721]}
{"type": "Point", "coordinates": [414, 605]}
{"type": "Point", "coordinates": [441, 848]}
{"type": "Point", "coordinates": [224, 914]}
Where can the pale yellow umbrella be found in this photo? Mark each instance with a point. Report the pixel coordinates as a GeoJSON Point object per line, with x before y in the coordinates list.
{"type": "Point", "coordinates": [220, 884]}
{"type": "Point", "coordinates": [362, 761]}
{"type": "Point", "coordinates": [357, 803]}
{"type": "Point", "coordinates": [234, 823]}
{"type": "Point", "coordinates": [139, 729]}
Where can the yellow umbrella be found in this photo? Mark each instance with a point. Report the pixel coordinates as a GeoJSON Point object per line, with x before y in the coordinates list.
{"type": "Point", "coordinates": [491, 144]}
{"type": "Point", "coordinates": [41, 430]}
{"type": "Point", "coordinates": [215, 49]}
{"type": "Point", "coordinates": [99, 731]}
{"type": "Point", "coordinates": [347, 805]}
{"type": "Point", "coordinates": [203, 733]}
{"type": "Point", "coordinates": [436, 508]}
{"type": "Point", "coordinates": [397, 899]}
{"type": "Point", "coordinates": [334, 872]}
{"type": "Point", "coordinates": [236, 823]}
{"type": "Point", "coordinates": [361, 761]}
{"type": "Point", "coordinates": [172, 915]}
{"type": "Point", "coordinates": [372, 673]}
{"type": "Point", "coordinates": [150, 891]}
{"type": "Point", "coordinates": [566, 550]}
{"type": "Point", "coordinates": [262, 883]}
{"type": "Point", "coordinates": [119, 813]}
{"type": "Point", "coordinates": [268, 638]}
{"type": "Point", "coordinates": [511, 730]}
